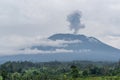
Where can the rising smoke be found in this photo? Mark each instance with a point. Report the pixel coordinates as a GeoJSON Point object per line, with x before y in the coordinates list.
{"type": "Point", "coordinates": [75, 21]}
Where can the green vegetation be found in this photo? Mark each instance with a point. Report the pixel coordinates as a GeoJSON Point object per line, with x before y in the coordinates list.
{"type": "Point", "coordinates": [76, 70]}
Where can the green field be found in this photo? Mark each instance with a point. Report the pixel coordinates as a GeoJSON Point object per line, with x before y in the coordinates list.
{"type": "Point", "coordinates": [98, 78]}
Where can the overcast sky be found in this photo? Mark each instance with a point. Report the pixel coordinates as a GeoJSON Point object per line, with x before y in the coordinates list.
{"type": "Point", "coordinates": [23, 21]}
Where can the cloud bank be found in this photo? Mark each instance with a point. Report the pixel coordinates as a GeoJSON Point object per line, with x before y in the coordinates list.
{"type": "Point", "coordinates": [15, 43]}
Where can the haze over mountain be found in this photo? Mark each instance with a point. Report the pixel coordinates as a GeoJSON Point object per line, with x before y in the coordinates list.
{"type": "Point", "coordinates": [70, 47]}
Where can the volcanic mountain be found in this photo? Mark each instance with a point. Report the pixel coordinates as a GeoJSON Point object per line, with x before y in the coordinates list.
{"type": "Point", "coordinates": [71, 47]}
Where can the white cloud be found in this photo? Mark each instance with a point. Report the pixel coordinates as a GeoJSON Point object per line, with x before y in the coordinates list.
{"type": "Point", "coordinates": [47, 14]}
{"type": "Point", "coordinates": [57, 43]}
{"type": "Point", "coordinates": [12, 44]}
{"type": "Point", "coordinates": [36, 51]}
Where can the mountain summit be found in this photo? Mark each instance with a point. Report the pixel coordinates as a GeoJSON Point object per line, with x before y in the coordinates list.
{"type": "Point", "coordinates": [68, 47]}
{"type": "Point", "coordinates": [85, 42]}
{"type": "Point", "coordinates": [67, 37]}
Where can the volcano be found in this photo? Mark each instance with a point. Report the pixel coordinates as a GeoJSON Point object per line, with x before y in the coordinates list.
{"type": "Point", "coordinates": [74, 47]}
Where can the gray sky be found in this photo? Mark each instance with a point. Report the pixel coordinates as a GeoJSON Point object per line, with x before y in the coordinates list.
{"type": "Point", "coordinates": [23, 21]}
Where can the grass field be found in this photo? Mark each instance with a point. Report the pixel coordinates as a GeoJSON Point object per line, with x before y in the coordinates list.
{"type": "Point", "coordinates": [98, 78]}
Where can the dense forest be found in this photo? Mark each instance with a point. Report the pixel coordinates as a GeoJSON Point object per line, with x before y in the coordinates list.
{"type": "Point", "coordinates": [75, 70]}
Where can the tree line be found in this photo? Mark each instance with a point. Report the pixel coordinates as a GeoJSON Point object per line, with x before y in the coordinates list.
{"type": "Point", "coordinates": [57, 70]}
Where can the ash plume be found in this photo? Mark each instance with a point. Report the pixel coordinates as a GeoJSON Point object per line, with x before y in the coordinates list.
{"type": "Point", "coordinates": [75, 21]}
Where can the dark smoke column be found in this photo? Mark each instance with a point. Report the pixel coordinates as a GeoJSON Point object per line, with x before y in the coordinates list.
{"type": "Point", "coordinates": [75, 22]}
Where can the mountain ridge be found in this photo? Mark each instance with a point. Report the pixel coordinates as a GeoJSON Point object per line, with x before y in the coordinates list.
{"type": "Point", "coordinates": [81, 47]}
